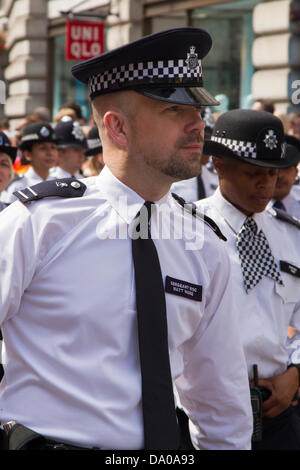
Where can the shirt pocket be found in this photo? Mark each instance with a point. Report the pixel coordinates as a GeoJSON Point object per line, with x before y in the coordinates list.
{"type": "Point", "coordinates": [290, 290]}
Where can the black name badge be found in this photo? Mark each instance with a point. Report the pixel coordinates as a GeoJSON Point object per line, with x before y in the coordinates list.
{"type": "Point", "coordinates": [289, 268]}
{"type": "Point", "coordinates": [183, 288]}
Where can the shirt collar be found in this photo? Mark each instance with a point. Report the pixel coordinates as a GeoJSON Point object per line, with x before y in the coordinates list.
{"type": "Point", "coordinates": [233, 216]}
{"type": "Point", "coordinates": [126, 202]}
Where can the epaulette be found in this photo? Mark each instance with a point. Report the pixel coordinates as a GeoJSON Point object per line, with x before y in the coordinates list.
{"type": "Point", "coordinates": [192, 209]}
{"type": "Point", "coordinates": [63, 187]}
{"type": "Point", "coordinates": [284, 216]}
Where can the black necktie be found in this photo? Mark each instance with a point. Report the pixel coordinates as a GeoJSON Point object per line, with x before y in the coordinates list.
{"type": "Point", "coordinates": [161, 431]}
{"type": "Point", "coordinates": [255, 255]}
{"type": "Point", "coordinates": [201, 189]}
{"type": "Point", "coordinates": [279, 205]}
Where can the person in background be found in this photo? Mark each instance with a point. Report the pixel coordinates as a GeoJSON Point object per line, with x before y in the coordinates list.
{"type": "Point", "coordinates": [43, 113]}
{"type": "Point", "coordinates": [294, 124]}
{"type": "Point", "coordinates": [94, 153]}
{"type": "Point", "coordinates": [71, 145]}
{"type": "Point", "coordinates": [65, 114]}
{"type": "Point", "coordinates": [7, 158]}
{"type": "Point", "coordinates": [248, 149]}
{"type": "Point", "coordinates": [263, 105]}
{"type": "Point", "coordinates": [38, 146]}
{"type": "Point", "coordinates": [284, 197]}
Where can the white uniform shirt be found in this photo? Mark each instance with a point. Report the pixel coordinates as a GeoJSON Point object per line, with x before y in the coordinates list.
{"type": "Point", "coordinates": [58, 172]}
{"type": "Point", "coordinates": [188, 189]}
{"type": "Point", "coordinates": [29, 179]}
{"type": "Point", "coordinates": [291, 203]}
{"type": "Point", "coordinates": [269, 308]}
{"type": "Point", "coordinates": [68, 316]}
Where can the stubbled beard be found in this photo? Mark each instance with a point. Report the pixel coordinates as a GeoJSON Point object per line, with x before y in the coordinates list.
{"type": "Point", "coordinates": [174, 166]}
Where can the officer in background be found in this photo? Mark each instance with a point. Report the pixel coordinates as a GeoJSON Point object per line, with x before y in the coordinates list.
{"type": "Point", "coordinates": [107, 314]}
{"type": "Point", "coordinates": [71, 145]}
{"type": "Point", "coordinates": [7, 157]}
{"type": "Point", "coordinates": [284, 197]}
{"type": "Point", "coordinates": [38, 146]}
{"type": "Point", "coordinates": [94, 153]}
{"type": "Point", "coordinates": [248, 150]}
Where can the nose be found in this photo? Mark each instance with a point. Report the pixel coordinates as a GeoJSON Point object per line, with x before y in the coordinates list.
{"type": "Point", "coordinates": [266, 180]}
{"type": "Point", "coordinates": [194, 122]}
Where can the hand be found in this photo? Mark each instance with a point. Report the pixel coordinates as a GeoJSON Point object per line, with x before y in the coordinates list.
{"type": "Point", "coordinates": [283, 388]}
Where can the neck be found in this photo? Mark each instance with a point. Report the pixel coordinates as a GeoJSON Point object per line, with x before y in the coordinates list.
{"type": "Point", "coordinates": [43, 173]}
{"type": "Point", "coordinates": [148, 186]}
{"type": "Point", "coordinates": [66, 168]}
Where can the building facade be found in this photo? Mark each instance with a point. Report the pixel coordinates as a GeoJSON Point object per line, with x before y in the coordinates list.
{"type": "Point", "coordinates": [255, 53]}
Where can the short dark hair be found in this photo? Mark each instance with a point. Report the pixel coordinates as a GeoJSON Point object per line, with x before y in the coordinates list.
{"type": "Point", "coordinates": [267, 105]}
{"type": "Point", "coordinates": [75, 106]}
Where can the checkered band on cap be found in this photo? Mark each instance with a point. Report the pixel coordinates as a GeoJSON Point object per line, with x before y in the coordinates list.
{"type": "Point", "coordinates": [240, 147]}
{"type": "Point", "coordinates": [173, 71]}
{"type": "Point", "coordinates": [94, 143]}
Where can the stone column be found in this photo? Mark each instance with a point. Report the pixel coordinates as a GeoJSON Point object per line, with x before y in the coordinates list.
{"type": "Point", "coordinates": [27, 70]}
{"type": "Point", "coordinates": [276, 53]}
{"type": "Point", "coordinates": [127, 26]}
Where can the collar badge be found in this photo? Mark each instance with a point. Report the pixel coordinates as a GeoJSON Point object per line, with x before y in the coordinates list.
{"type": "Point", "coordinates": [270, 140]}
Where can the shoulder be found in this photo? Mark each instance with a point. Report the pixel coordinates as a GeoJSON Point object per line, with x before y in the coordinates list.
{"type": "Point", "coordinates": [19, 179]}
{"type": "Point", "coordinates": [196, 212]}
{"type": "Point", "coordinates": [284, 217]}
{"type": "Point", "coordinates": [62, 188]}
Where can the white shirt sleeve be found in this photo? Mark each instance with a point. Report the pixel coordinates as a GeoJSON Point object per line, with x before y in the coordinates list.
{"type": "Point", "coordinates": [222, 419]}
{"type": "Point", "coordinates": [17, 257]}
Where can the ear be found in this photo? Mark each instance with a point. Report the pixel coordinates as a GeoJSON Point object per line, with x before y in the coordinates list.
{"type": "Point", "coordinates": [115, 124]}
{"type": "Point", "coordinates": [218, 164]}
{"type": "Point", "coordinates": [27, 155]}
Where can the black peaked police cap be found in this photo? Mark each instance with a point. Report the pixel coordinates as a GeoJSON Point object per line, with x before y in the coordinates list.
{"type": "Point", "coordinates": [35, 133]}
{"type": "Point", "coordinates": [165, 66]}
{"type": "Point", "coordinates": [6, 147]}
{"type": "Point", "coordinates": [250, 136]}
{"type": "Point", "coordinates": [70, 134]}
{"type": "Point", "coordinates": [94, 144]}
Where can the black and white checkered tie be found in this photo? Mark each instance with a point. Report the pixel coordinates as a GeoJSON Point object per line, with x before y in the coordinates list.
{"type": "Point", "coordinates": [255, 255]}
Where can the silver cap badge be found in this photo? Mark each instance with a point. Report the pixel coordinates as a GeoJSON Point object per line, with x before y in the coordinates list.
{"type": "Point", "coordinates": [77, 131]}
{"type": "Point", "coordinates": [270, 140]}
{"type": "Point", "coordinates": [44, 132]}
{"type": "Point", "coordinates": [192, 58]}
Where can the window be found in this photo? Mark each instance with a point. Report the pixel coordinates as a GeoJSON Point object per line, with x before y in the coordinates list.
{"type": "Point", "coordinates": [65, 86]}
{"type": "Point", "coordinates": [228, 67]}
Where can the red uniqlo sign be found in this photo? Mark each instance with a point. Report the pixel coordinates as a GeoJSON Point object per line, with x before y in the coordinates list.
{"type": "Point", "coordinates": [84, 40]}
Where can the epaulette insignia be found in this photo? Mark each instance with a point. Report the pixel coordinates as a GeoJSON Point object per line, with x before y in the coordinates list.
{"type": "Point", "coordinates": [192, 209]}
{"type": "Point", "coordinates": [64, 187]}
{"type": "Point", "coordinates": [284, 216]}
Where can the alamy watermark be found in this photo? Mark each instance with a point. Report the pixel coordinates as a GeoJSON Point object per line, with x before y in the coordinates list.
{"type": "Point", "coordinates": [162, 222]}
{"type": "Point", "coordinates": [295, 97]}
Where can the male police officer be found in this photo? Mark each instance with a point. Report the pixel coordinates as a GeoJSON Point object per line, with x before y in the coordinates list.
{"type": "Point", "coordinates": [90, 359]}
{"type": "Point", "coordinates": [248, 148]}
{"type": "Point", "coordinates": [284, 197]}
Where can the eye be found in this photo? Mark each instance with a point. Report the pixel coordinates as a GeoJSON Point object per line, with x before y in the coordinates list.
{"type": "Point", "coordinates": [173, 108]}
